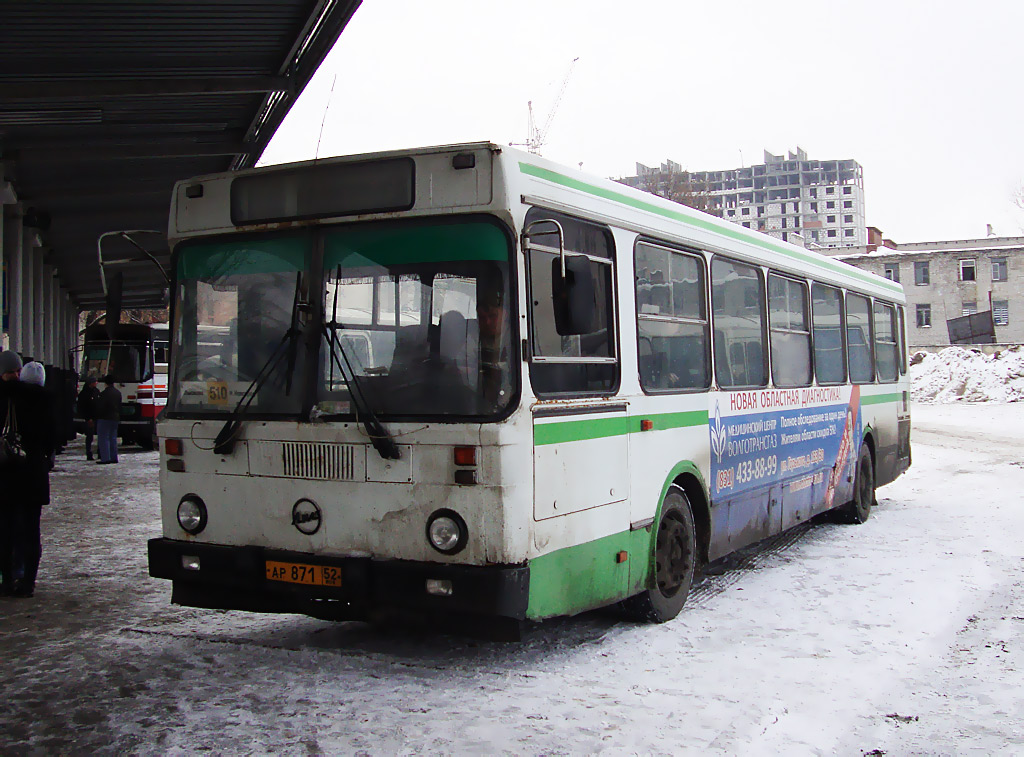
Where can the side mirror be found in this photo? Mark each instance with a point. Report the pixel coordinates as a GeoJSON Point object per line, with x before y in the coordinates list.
{"type": "Point", "coordinates": [575, 295]}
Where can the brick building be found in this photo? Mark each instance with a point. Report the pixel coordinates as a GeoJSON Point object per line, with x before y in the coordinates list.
{"type": "Point", "coordinates": [945, 280]}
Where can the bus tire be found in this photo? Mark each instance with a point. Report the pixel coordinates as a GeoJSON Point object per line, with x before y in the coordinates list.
{"type": "Point", "coordinates": [675, 558]}
{"type": "Point", "coordinates": [858, 509]}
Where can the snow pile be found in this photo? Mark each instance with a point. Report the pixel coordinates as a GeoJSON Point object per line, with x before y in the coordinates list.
{"type": "Point", "coordinates": [961, 375]}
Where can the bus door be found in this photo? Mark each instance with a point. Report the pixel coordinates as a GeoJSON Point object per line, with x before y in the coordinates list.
{"type": "Point", "coordinates": [580, 457]}
{"type": "Point", "coordinates": [581, 447]}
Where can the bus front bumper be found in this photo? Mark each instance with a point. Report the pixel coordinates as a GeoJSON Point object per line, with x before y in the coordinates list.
{"type": "Point", "coordinates": [236, 578]}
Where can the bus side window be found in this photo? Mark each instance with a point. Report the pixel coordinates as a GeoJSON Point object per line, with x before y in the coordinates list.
{"type": "Point", "coordinates": [737, 298]}
{"type": "Point", "coordinates": [790, 331]}
{"type": "Point", "coordinates": [672, 319]}
{"type": "Point", "coordinates": [571, 363]}
{"type": "Point", "coordinates": [858, 339]}
{"type": "Point", "coordinates": [902, 339]}
{"type": "Point", "coordinates": [829, 356]}
{"type": "Point", "coordinates": [885, 343]}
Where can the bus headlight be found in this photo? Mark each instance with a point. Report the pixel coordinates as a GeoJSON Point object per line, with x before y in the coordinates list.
{"type": "Point", "coordinates": [447, 532]}
{"type": "Point", "coordinates": [192, 514]}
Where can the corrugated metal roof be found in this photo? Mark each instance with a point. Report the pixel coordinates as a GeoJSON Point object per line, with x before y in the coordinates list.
{"type": "Point", "coordinates": [104, 105]}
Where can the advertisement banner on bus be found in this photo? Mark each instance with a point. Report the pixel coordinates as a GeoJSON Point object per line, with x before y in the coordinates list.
{"type": "Point", "coordinates": [803, 438]}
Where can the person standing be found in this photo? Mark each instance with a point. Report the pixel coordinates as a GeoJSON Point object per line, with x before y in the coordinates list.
{"type": "Point", "coordinates": [10, 367]}
{"type": "Point", "coordinates": [25, 483]}
{"type": "Point", "coordinates": [87, 411]}
{"type": "Point", "coordinates": [108, 413]}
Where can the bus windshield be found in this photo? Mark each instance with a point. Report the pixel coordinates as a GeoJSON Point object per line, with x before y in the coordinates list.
{"type": "Point", "coordinates": [419, 314]}
{"type": "Point", "coordinates": [415, 316]}
{"type": "Point", "coordinates": [234, 304]}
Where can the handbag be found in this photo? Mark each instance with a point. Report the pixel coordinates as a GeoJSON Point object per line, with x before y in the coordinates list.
{"type": "Point", "coordinates": [11, 451]}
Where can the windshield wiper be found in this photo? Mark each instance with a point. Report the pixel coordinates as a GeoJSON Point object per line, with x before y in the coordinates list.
{"type": "Point", "coordinates": [224, 444]}
{"type": "Point", "coordinates": [381, 440]}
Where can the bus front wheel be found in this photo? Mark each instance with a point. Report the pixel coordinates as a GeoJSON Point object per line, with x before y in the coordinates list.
{"type": "Point", "coordinates": [675, 557]}
{"type": "Point", "coordinates": [858, 509]}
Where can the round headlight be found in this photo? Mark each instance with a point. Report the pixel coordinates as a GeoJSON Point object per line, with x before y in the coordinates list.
{"type": "Point", "coordinates": [446, 532]}
{"type": "Point", "coordinates": [192, 514]}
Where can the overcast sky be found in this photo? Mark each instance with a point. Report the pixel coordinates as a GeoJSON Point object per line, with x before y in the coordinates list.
{"type": "Point", "coordinates": [926, 96]}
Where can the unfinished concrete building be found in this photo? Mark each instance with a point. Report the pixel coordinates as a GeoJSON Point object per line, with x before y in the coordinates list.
{"type": "Point", "coordinates": [816, 203]}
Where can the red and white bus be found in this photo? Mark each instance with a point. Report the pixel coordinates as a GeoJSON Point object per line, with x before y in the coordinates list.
{"type": "Point", "coordinates": [137, 358]}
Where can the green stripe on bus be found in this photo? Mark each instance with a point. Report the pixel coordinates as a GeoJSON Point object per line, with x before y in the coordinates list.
{"type": "Point", "coordinates": [878, 399]}
{"type": "Point", "coordinates": [584, 576]}
{"type": "Point", "coordinates": [576, 431]}
{"type": "Point", "coordinates": [701, 223]}
{"type": "Point", "coordinates": [599, 428]}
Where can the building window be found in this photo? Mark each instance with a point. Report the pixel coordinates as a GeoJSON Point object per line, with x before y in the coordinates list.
{"type": "Point", "coordinates": [892, 271]}
{"type": "Point", "coordinates": [921, 277]}
{"type": "Point", "coordinates": [830, 219]}
{"type": "Point", "coordinates": [830, 190]}
{"type": "Point", "coordinates": [830, 205]}
{"type": "Point", "coordinates": [812, 193]}
{"type": "Point", "coordinates": [848, 232]}
{"type": "Point", "coordinates": [967, 270]}
{"type": "Point", "coordinates": [847, 190]}
{"type": "Point", "coordinates": [1001, 312]}
{"type": "Point", "coordinates": [999, 269]}
{"type": "Point", "coordinates": [969, 308]}
{"type": "Point", "coordinates": [732, 213]}
{"type": "Point", "coordinates": [814, 207]}
{"type": "Point", "coordinates": [847, 203]}
{"type": "Point", "coordinates": [924, 316]}
{"type": "Point", "coordinates": [847, 219]}
{"type": "Point", "coordinates": [746, 211]}
{"type": "Point", "coordinates": [831, 232]}
{"type": "Point", "coordinates": [746, 224]}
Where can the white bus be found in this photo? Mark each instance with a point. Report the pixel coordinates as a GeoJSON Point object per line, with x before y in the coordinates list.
{"type": "Point", "coordinates": [467, 382]}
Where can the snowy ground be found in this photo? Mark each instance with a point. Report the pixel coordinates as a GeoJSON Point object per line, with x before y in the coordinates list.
{"type": "Point", "coordinates": [901, 636]}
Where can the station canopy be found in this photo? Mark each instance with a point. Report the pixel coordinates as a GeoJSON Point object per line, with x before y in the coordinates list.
{"type": "Point", "coordinates": [104, 105]}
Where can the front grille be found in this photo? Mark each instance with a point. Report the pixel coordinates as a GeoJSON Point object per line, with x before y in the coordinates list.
{"type": "Point", "coordinates": [335, 462]}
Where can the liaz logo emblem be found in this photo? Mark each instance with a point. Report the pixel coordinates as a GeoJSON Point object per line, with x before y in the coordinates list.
{"type": "Point", "coordinates": [306, 516]}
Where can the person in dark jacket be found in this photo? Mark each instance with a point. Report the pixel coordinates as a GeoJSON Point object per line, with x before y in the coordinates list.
{"type": "Point", "coordinates": [24, 485]}
{"type": "Point", "coordinates": [87, 411]}
{"type": "Point", "coordinates": [108, 413]}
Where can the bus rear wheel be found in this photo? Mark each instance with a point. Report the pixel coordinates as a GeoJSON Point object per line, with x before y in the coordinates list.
{"type": "Point", "coordinates": [675, 558]}
{"type": "Point", "coordinates": [858, 509]}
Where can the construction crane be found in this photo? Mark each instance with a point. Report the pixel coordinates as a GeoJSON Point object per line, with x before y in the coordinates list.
{"type": "Point", "coordinates": [535, 137]}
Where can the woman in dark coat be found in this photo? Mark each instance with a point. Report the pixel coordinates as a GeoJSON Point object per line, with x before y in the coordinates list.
{"type": "Point", "coordinates": [25, 486]}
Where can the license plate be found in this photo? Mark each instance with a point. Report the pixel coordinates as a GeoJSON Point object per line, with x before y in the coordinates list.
{"type": "Point", "coordinates": [300, 573]}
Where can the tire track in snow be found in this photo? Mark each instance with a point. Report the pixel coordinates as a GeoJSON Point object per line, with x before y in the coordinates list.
{"type": "Point", "coordinates": [727, 571]}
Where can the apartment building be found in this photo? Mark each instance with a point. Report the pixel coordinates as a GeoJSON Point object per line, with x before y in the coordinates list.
{"type": "Point", "coordinates": [815, 203]}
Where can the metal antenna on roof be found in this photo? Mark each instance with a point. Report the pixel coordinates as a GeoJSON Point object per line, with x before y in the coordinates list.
{"type": "Point", "coordinates": [323, 120]}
